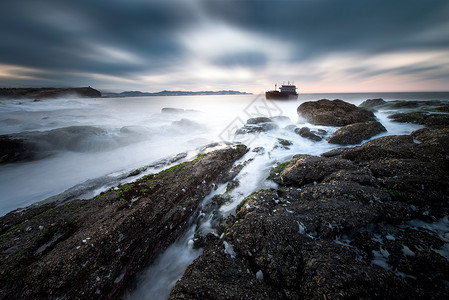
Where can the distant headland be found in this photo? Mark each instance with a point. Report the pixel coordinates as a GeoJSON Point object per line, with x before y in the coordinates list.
{"type": "Point", "coordinates": [49, 92]}
{"type": "Point", "coordinates": [89, 92]}
{"type": "Point", "coordinates": [172, 93]}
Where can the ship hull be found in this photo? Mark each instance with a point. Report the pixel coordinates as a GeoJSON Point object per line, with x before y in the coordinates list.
{"type": "Point", "coordinates": [276, 95]}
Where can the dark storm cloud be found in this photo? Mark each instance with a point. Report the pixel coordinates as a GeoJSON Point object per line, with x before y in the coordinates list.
{"type": "Point", "coordinates": [324, 26]}
{"type": "Point", "coordinates": [32, 36]}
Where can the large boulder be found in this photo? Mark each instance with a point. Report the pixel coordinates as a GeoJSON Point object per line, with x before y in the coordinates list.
{"type": "Point", "coordinates": [89, 249]}
{"type": "Point", "coordinates": [356, 133]}
{"type": "Point", "coordinates": [333, 113]}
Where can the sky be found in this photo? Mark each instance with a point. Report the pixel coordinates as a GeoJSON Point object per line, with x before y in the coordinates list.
{"type": "Point", "coordinates": [246, 45]}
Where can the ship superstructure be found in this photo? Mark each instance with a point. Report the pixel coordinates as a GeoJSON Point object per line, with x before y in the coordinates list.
{"type": "Point", "coordinates": [287, 91]}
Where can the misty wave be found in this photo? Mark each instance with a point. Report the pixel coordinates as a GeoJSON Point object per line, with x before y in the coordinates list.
{"type": "Point", "coordinates": [35, 145]}
{"type": "Point", "coordinates": [184, 126]}
{"type": "Point", "coordinates": [40, 144]}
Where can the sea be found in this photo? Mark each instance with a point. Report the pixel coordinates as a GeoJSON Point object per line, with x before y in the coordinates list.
{"type": "Point", "coordinates": [93, 144]}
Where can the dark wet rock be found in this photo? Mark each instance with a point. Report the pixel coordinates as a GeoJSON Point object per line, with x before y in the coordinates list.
{"type": "Point", "coordinates": [333, 113]}
{"type": "Point", "coordinates": [372, 103]}
{"type": "Point", "coordinates": [232, 185]}
{"type": "Point", "coordinates": [259, 150]}
{"type": "Point", "coordinates": [399, 146]}
{"type": "Point", "coordinates": [282, 143]}
{"type": "Point", "coordinates": [401, 104]}
{"type": "Point", "coordinates": [258, 120]}
{"type": "Point", "coordinates": [356, 133]}
{"type": "Point", "coordinates": [36, 145]}
{"type": "Point", "coordinates": [334, 152]}
{"type": "Point", "coordinates": [321, 132]}
{"type": "Point", "coordinates": [14, 149]}
{"type": "Point", "coordinates": [271, 238]}
{"type": "Point", "coordinates": [443, 108]}
{"type": "Point", "coordinates": [429, 145]}
{"type": "Point", "coordinates": [91, 248]}
{"type": "Point", "coordinates": [361, 222]}
{"type": "Point", "coordinates": [256, 128]}
{"type": "Point", "coordinates": [202, 281]}
{"type": "Point", "coordinates": [433, 138]}
{"type": "Point", "coordinates": [177, 157]}
{"type": "Point", "coordinates": [309, 169]}
{"type": "Point", "coordinates": [172, 110]}
{"type": "Point", "coordinates": [407, 252]}
{"type": "Point", "coordinates": [415, 105]}
{"type": "Point", "coordinates": [198, 241]}
{"type": "Point", "coordinates": [305, 132]}
{"type": "Point", "coordinates": [421, 118]}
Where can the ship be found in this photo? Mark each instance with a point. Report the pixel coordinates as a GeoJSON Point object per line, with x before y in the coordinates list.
{"type": "Point", "coordinates": [287, 92]}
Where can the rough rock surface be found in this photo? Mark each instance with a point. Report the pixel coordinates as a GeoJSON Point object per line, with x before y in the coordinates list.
{"type": "Point", "coordinates": [90, 248]}
{"type": "Point", "coordinates": [364, 222]}
{"type": "Point", "coordinates": [421, 118]}
{"type": "Point", "coordinates": [356, 133]}
{"type": "Point", "coordinates": [333, 113]}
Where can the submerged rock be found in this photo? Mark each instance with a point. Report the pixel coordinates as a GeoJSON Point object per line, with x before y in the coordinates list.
{"type": "Point", "coordinates": [36, 145]}
{"type": "Point", "coordinates": [258, 120]}
{"type": "Point", "coordinates": [259, 124]}
{"type": "Point", "coordinates": [415, 105]}
{"type": "Point", "coordinates": [372, 103]}
{"type": "Point", "coordinates": [305, 132]}
{"type": "Point", "coordinates": [13, 149]}
{"type": "Point", "coordinates": [356, 133]}
{"type": "Point", "coordinates": [333, 113]}
{"type": "Point", "coordinates": [91, 248]}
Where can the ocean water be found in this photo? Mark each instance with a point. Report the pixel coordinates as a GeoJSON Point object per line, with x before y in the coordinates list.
{"type": "Point", "coordinates": [92, 144]}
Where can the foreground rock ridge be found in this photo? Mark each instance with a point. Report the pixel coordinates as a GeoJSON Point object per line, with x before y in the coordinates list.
{"type": "Point", "coordinates": [88, 249]}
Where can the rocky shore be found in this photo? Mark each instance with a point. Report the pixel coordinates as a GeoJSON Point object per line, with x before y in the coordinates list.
{"type": "Point", "coordinates": [368, 221]}
{"type": "Point", "coordinates": [363, 222]}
